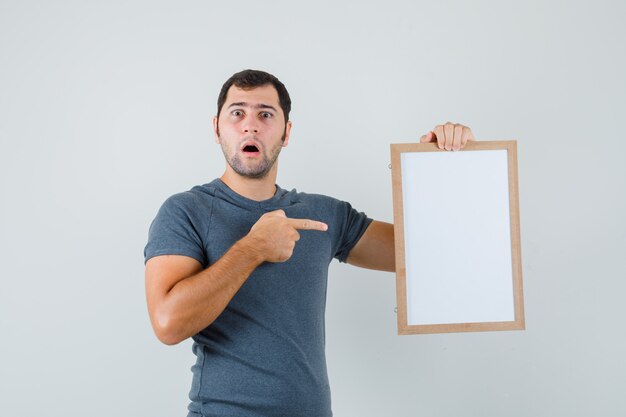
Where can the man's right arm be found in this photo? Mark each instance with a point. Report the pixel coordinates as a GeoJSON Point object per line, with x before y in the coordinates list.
{"type": "Point", "coordinates": [183, 298]}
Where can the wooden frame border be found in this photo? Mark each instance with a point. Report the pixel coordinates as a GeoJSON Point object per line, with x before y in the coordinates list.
{"type": "Point", "coordinates": [516, 257]}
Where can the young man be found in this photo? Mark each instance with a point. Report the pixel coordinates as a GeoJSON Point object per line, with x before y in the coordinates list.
{"type": "Point", "coordinates": [241, 265]}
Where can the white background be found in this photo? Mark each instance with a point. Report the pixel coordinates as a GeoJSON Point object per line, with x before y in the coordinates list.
{"type": "Point", "coordinates": [105, 111]}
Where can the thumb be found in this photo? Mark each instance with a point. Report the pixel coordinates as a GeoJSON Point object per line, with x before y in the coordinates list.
{"type": "Point", "coordinates": [428, 137]}
{"type": "Point", "coordinates": [276, 213]}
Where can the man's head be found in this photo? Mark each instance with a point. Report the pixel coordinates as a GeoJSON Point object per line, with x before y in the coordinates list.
{"type": "Point", "coordinates": [252, 123]}
{"type": "Point", "coordinates": [249, 79]}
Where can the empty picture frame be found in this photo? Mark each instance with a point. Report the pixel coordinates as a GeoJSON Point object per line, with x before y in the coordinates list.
{"type": "Point", "coordinates": [457, 238]}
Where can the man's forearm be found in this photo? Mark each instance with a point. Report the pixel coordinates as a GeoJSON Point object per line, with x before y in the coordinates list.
{"type": "Point", "coordinates": [183, 299]}
{"type": "Point", "coordinates": [195, 302]}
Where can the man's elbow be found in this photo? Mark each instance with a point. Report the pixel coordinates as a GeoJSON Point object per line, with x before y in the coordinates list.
{"type": "Point", "coordinates": [166, 329]}
{"type": "Point", "coordinates": [168, 339]}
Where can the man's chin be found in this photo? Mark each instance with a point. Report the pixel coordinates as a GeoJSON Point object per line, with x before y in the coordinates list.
{"type": "Point", "coordinates": [255, 170]}
{"type": "Point", "coordinates": [252, 174]}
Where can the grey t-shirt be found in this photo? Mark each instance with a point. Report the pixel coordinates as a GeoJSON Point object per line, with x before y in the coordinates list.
{"type": "Point", "coordinates": [265, 354]}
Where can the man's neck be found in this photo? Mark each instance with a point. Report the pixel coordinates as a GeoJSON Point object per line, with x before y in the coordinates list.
{"type": "Point", "coordinates": [257, 189]}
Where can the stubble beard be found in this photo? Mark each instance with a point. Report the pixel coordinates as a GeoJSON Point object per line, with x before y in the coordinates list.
{"type": "Point", "coordinates": [258, 171]}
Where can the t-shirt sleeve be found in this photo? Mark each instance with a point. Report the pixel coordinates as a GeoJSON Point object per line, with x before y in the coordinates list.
{"type": "Point", "coordinates": [352, 225]}
{"type": "Point", "coordinates": [176, 230]}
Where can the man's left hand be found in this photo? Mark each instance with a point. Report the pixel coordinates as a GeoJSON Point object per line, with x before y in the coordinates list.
{"type": "Point", "coordinates": [449, 136]}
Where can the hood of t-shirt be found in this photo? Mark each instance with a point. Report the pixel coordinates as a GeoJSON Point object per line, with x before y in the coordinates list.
{"type": "Point", "coordinates": [281, 199]}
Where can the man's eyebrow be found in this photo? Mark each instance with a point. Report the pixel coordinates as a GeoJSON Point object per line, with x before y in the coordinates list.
{"type": "Point", "coordinates": [256, 106]}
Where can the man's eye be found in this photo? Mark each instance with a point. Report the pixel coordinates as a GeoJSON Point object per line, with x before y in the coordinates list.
{"type": "Point", "coordinates": [266, 115]}
{"type": "Point", "coordinates": [237, 113]}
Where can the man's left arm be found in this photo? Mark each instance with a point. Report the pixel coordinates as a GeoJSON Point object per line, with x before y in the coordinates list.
{"type": "Point", "coordinates": [376, 248]}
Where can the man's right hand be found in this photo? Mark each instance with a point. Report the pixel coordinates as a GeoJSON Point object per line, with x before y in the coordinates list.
{"type": "Point", "coordinates": [275, 235]}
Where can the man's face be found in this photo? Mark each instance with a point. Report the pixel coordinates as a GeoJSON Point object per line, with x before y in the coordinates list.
{"type": "Point", "coordinates": [251, 130]}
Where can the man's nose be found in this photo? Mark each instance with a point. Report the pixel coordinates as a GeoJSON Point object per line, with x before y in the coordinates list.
{"type": "Point", "coordinates": [250, 125]}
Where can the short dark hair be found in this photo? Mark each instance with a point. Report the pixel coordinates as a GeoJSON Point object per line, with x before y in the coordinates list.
{"type": "Point", "coordinates": [249, 79]}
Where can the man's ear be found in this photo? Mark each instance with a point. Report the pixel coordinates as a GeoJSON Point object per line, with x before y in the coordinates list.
{"type": "Point", "coordinates": [216, 130]}
{"type": "Point", "coordinates": [287, 133]}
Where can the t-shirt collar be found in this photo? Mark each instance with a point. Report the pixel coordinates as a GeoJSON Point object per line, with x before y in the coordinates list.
{"type": "Point", "coordinates": [280, 199]}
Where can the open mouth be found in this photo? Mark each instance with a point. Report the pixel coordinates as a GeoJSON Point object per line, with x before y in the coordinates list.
{"type": "Point", "coordinates": [250, 149]}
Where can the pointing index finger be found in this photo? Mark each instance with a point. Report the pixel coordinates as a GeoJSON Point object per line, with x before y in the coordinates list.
{"type": "Point", "coordinates": [306, 224]}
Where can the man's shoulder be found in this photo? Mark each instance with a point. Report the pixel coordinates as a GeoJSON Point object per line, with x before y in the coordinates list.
{"type": "Point", "coordinates": [196, 198]}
